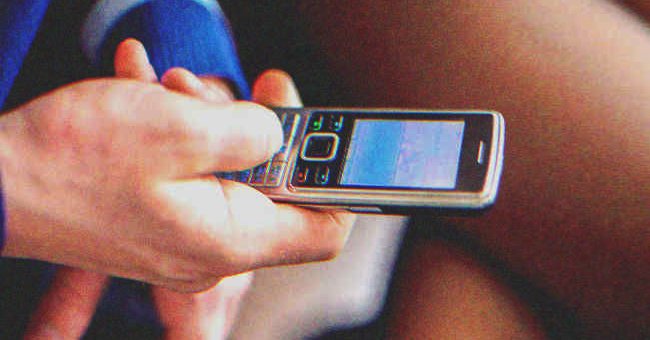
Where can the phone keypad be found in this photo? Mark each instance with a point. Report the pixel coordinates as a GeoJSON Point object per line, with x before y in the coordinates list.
{"type": "Point", "coordinates": [270, 173]}
{"type": "Point", "coordinates": [322, 175]}
{"type": "Point", "coordinates": [319, 163]}
{"type": "Point", "coordinates": [258, 175]}
{"type": "Point", "coordinates": [275, 173]}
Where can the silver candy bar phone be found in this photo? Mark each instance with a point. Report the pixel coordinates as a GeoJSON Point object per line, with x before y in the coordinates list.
{"type": "Point", "coordinates": [384, 160]}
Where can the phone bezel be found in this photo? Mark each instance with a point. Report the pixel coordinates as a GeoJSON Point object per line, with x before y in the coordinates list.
{"type": "Point", "coordinates": [470, 174]}
{"type": "Point", "coordinates": [393, 200]}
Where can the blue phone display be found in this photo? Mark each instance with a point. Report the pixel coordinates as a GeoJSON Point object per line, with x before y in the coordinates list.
{"type": "Point", "coordinates": [409, 154]}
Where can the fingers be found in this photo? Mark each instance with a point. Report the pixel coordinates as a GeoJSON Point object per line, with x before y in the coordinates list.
{"type": "Point", "coordinates": [213, 138]}
{"type": "Point", "coordinates": [68, 307]}
{"type": "Point", "coordinates": [152, 132]}
{"type": "Point", "coordinates": [250, 231]}
{"type": "Point", "coordinates": [296, 234]}
{"type": "Point", "coordinates": [132, 62]}
{"type": "Point", "coordinates": [211, 89]}
{"type": "Point", "coordinates": [278, 234]}
{"type": "Point", "coordinates": [209, 314]}
{"type": "Point", "coordinates": [275, 88]}
{"type": "Point", "coordinates": [206, 315]}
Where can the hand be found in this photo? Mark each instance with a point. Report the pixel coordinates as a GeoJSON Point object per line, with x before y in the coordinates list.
{"type": "Point", "coordinates": [211, 314]}
{"type": "Point", "coordinates": [115, 176]}
{"type": "Point", "coordinates": [206, 315]}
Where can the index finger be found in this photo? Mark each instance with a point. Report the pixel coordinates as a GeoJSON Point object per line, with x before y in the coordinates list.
{"type": "Point", "coordinates": [230, 137]}
{"type": "Point", "coordinates": [179, 136]}
{"type": "Point", "coordinates": [299, 234]}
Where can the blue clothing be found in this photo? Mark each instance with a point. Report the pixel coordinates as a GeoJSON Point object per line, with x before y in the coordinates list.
{"type": "Point", "coordinates": [19, 22]}
{"type": "Point", "coordinates": [175, 32]}
{"type": "Point", "coordinates": [182, 33]}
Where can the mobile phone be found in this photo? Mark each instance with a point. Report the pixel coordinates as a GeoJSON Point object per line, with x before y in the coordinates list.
{"type": "Point", "coordinates": [384, 160]}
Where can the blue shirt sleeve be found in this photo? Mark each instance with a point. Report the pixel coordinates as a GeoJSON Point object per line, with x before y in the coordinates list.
{"type": "Point", "coordinates": [19, 22]}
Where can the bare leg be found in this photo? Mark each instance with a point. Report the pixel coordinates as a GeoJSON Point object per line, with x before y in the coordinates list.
{"type": "Point", "coordinates": [443, 293]}
{"type": "Point", "coordinates": [573, 80]}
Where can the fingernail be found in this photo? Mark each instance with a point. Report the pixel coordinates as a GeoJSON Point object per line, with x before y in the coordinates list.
{"type": "Point", "coordinates": [277, 88]}
{"type": "Point", "coordinates": [195, 85]}
{"type": "Point", "coordinates": [293, 96]}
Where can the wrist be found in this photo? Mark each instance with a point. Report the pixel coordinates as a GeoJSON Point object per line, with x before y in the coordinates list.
{"type": "Point", "coordinates": [3, 212]}
{"type": "Point", "coordinates": [11, 124]}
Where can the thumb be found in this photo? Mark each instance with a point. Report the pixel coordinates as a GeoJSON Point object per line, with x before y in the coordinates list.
{"type": "Point", "coordinates": [68, 307]}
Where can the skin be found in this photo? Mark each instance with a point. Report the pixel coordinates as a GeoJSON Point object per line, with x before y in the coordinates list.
{"type": "Point", "coordinates": [160, 218]}
{"type": "Point", "coordinates": [579, 226]}
{"type": "Point", "coordinates": [571, 78]}
{"type": "Point", "coordinates": [446, 293]}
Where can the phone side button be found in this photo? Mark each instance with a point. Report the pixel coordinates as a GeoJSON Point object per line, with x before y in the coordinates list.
{"type": "Point", "coordinates": [365, 210]}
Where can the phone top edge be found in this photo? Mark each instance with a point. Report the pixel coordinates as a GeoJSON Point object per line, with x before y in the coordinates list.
{"type": "Point", "coordinates": [311, 109]}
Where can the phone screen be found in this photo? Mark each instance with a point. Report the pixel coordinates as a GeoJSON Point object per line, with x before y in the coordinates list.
{"type": "Point", "coordinates": [421, 154]}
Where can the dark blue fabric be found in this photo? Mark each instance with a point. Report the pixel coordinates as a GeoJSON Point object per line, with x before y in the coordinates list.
{"type": "Point", "coordinates": [180, 33]}
{"type": "Point", "coordinates": [19, 22]}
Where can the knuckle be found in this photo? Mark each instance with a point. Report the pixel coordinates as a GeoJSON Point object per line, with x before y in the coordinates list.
{"type": "Point", "coordinates": [55, 121]}
{"type": "Point", "coordinates": [197, 269]}
{"type": "Point", "coordinates": [176, 265]}
{"type": "Point", "coordinates": [129, 98]}
{"type": "Point", "coordinates": [333, 249]}
{"type": "Point", "coordinates": [163, 136]}
{"type": "Point", "coordinates": [236, 259]}
{"type": "Point", "coordinates": [335, 236]}
{"type": "Point", "coordinates": [88, 115]}
{"type": "Point", "coordinates": [172, 269]}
